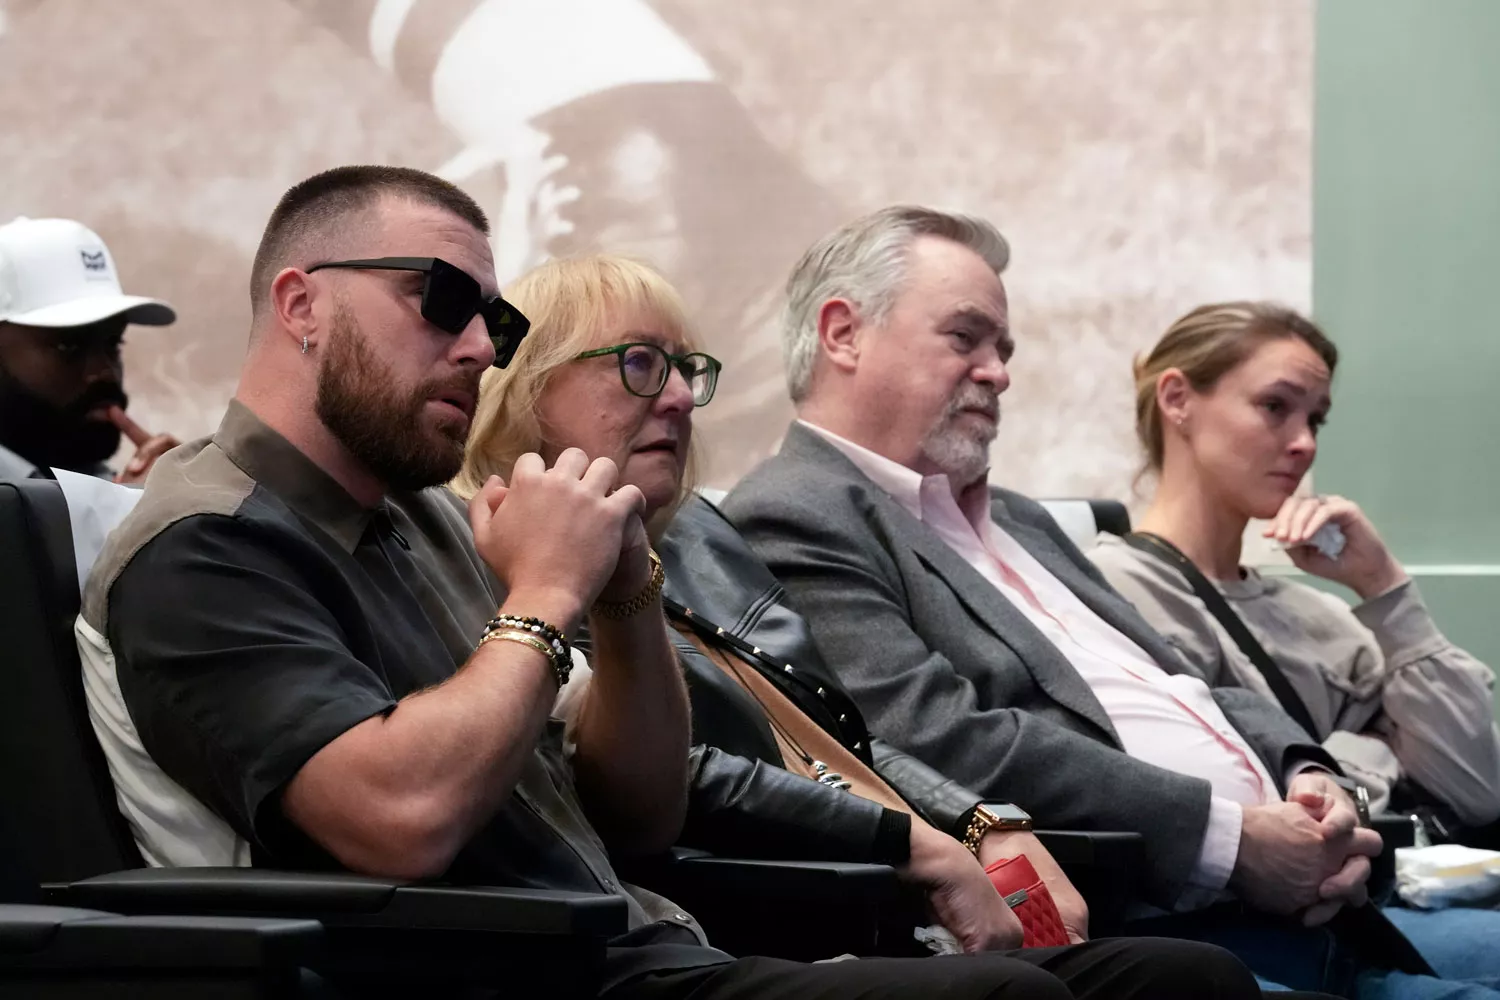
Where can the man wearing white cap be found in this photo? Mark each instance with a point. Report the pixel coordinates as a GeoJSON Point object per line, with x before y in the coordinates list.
{"type": "Point", "coordinates": [62, 321]}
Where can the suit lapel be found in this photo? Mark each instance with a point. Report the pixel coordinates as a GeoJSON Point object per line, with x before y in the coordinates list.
{"type": "Point", "coordinates": [1044, 661]}
{"type": "Point", "coordinates": [1105, 603]}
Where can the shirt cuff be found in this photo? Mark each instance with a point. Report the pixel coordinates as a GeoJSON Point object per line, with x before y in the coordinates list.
{"type": "Point", "coordinates": [1402, 626]}
{"type": "Point", "coordinates": [892, 839]}
{"type": "Point", "coordinates": [1216, 858]}
{"type": "Point", "coordinates": [1302, 766]}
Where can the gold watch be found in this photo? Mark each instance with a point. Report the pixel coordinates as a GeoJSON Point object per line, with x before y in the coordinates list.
{"type": "Point", "coordinates": [618, 610]}
{"type": "Point", "coordinates": [1000, 816]}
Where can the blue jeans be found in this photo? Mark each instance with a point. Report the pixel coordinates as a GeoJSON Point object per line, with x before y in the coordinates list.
{"type": "Point", "coordinates": [1282, 954]}
{"type": "Point", "coordinates": [1462, 946]}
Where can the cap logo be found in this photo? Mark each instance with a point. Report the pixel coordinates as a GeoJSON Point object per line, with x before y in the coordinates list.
{"type": "Point", "coordinates": [94, 261]}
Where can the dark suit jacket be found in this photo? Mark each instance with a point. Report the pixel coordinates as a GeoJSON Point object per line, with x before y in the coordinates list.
{"type": "Point", "coordinates": [946, 669]}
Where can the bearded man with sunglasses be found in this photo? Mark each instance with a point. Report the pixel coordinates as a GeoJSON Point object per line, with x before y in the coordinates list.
{"type": "Point", "coordinates": [285, 644]}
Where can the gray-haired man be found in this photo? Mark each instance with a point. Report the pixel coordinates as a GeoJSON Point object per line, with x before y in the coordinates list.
{"type": "Point", "coordinates": [970, 631]}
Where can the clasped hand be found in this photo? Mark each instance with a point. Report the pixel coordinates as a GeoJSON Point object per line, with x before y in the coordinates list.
{"type": "Point", "coordinates": [563, 537]}
{"type": "Point", "coordinates": [1307, 855]}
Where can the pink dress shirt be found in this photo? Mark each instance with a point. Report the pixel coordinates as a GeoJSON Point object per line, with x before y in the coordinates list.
{"type": "Point", "coordinates": [1170, 720]}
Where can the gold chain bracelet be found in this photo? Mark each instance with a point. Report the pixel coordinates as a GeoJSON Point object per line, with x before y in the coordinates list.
{"type": "Point", "coordinates": [560, 670]}
{"type": "Point", "coordinates": [979, 825]}
{"type": "Point", "coordinates": [620, 610]}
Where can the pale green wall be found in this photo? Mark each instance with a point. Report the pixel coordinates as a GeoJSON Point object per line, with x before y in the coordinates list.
{"type": "Point", "coordinates": [1406, 278]}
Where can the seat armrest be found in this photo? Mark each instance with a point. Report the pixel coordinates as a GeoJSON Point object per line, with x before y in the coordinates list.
{"type": "Point", "coordinates": [1104, 867]}
{"type": "Point", "coordinates": [76, 944]}
{"type": "Point", "coordinates": [346, 900]}
{"type": "Point", "coordinates": [797, 910]}
{"type": "Point", "coordinates": [1096, 849]}
{"type": "Point", "coordinates": [786, 880]}
{"type": "Point", "coordinates": [1395, 829]}
{"type": "Point", "coordinates": [390, 934]}
{"type": "Point", "coordinates": [25, 927]}
{"type": "Point", "coordinates": [175, 942]}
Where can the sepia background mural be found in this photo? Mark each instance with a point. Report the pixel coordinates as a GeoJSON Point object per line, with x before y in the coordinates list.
{"type": "Point", "coordinates": [1142, 155]}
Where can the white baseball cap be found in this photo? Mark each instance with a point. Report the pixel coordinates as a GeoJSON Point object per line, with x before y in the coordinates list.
{"type": "Point", "coordinates": [57, 272]}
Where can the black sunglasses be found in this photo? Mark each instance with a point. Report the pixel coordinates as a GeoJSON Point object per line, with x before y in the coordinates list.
{"type": "Point", "coordinates": [451, 299]}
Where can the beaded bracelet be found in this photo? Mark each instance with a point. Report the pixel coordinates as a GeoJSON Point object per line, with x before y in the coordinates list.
{"type": "Point", "coordinates": [548, 638]}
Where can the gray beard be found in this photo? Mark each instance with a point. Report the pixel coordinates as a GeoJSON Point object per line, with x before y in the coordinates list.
{"type": "Point", "coordinates": [962, 455]}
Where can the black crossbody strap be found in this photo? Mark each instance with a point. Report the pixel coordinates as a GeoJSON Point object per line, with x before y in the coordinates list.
{"type": "Point", "coordinates": [1218, 607]}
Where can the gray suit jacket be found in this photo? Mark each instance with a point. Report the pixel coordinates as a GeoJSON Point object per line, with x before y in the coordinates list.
{"type": "Point", "coordinates": [948, 670]}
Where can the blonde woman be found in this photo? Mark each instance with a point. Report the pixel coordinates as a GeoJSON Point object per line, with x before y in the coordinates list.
{"type": "Point", "coordinates": [595, 373]}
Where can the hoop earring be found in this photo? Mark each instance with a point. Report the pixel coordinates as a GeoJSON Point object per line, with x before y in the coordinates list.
{"type": "Point", "coordinates": [304, 348]}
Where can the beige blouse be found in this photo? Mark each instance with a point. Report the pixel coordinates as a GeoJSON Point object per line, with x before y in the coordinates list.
{"type": "Point", "coordinates": [1389, 694]}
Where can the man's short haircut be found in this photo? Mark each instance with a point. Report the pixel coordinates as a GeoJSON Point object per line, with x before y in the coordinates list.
{"type": "Point", "coordinates": [865, 262]}
{"type": "Point", "coordinates": [315, 210]}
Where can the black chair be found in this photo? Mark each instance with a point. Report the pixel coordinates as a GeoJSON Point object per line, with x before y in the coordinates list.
{"type": "Point", "coordinates": [65, 953]}
{"type": "Point", "coordinates": [71, 836]}
{"type": "Point", "coordinates": [61, 953]}
{"type": "Point", "coordinates": [798, 910]}
{"type": "Point", "coordinates": [1082, 519]}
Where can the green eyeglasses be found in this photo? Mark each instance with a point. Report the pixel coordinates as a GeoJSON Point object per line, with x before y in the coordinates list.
{"type": "Point", "coordinates": [645, 368]}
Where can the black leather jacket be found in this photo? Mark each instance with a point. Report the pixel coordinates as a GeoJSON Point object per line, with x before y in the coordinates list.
{"type": "Point", "coordinates": [740, 806]}
{"type": "Point", "coordinates": [715, 580]}
{"type": "Point", "coordinates": [746, 808]}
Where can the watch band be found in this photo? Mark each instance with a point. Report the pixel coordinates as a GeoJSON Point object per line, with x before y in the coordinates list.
{"type": "Point", "coordinates": [619, 610]}
{"type": "Point", "coordinates": [984, 819]}
{"type": "Point", "coordinates": [1359, 793]}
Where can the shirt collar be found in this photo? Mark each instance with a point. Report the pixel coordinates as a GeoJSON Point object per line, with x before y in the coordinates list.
{"type": "Point", "coordinates": [13, 466]}
{"type": "Point", "coordinates": [277, 464]}
{"type": "Point", "coordinates": [912, 490]}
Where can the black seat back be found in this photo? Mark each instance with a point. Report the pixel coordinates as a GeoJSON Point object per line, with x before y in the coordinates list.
{"type": "Point", "coordinates": [57, 795]}
{"type": "Point", "coordinates": [1111, 516]}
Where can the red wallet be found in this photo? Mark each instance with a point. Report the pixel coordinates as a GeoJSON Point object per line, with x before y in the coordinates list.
{"type": "Point", "coordinates": [1029, 899]}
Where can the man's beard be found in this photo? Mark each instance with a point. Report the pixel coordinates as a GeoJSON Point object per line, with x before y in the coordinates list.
{"type": "Point", "coordinates": [63, 437]}
{"type": "Point", "coordinates": [963, 453]}
{"type": "Point", "coordinates": [361, 402]}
